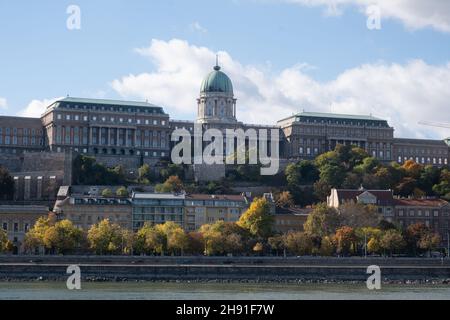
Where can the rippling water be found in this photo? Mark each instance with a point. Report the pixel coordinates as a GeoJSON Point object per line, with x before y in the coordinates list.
{"type": "Point", "coordinates": [216, 291]}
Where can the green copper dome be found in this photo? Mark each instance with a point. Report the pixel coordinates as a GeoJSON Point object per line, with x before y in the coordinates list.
{"type": "Point", "coordinates": [216, 81]}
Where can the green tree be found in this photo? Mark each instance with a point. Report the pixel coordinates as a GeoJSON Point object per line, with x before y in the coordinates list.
{"type": "Point", "coordinates": [322, 221]}
{"type": "Point", "coordinates": [122, 192]}
{"type": "Point", "coordinates": [107, 193]}
{"type": "Point", "coordinates": [144, 174]}
{"type": "Point", "coordinates": [258, 219]}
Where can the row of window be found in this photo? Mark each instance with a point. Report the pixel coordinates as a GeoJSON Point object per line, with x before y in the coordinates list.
{"type": "Point", "coordinates": [16, 227]}
{"type": "Point", "coordinates": [71, 117]}
{"type": "Point", "coordinates": [110, 136]}
{"type": "Point", "coordinates": [423, 160]}
{"type": "Point", "coordinates": [343, 122]}
{"type": "Point", "coordinates": [111, 108]}
{"type": "Point", "coordinates": [407, 151]}
{"type": "Point", "coordinates": [123, 152]}
{"type": "Point", "coordinates": [420, 213]}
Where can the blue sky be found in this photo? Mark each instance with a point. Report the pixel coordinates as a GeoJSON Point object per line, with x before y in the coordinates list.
{"type": "Point", "coordinates": [41, 59]}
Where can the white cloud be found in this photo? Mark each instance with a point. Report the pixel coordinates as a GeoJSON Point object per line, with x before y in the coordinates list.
{"type": "Point", "coordinates": [402, 94]}
{"type": "Point", "coordinates": [37, 107]}
{"type": "Point", "coordinates": [197, 27]}
{"type": "Point", "coordinates": [414, 14]}
{"type": "Point", "coordinates": [3, 103]}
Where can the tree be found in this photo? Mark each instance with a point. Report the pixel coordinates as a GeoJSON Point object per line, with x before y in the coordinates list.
{"type": "Point", "coordinates": [86, 171]}
{"type": "Point", "coordinates": [172, 184]}
{"type": "Point", "coordinates": [419, 238]}
{"type": "Point", "coordinates": [223, 237]}
{"type": "Point", "coordinates": [429, 241]}
{"type": "Point", "coordinates": [406, 187]}
{"type": "Point", "coordinates": [106, 238]}
{"type": "Point", "coordinates": [326, 246]}
{"type": "Point", "coordinates": [373, 246]}
{"type": "Point", "coordinates": [322, 221]}
{"type": "Point", "coordinates": [176, 238]}
{"type": "Point", "coordinates": [284, 199]}
{"type": "Point", "coordinates": [277, 243]}
{"type": "Point", "coordinates": [195, 241]}
{"type": "Point", "coordinates": [122, 192]}
{"type": "Point", "coordinates": [144, 174]}
{"type": "Point", "coordinates": [107, 193]}
{"type": "Point", "coordinates": [172, 170]}
{"type": "Point", "coordinates": [322, 190]}
{"type": "Point", "coordinates": [345, 240]}
{"type": "Point", "coordinates": [5, 244]}
{"type": "Point", "coordinates": [6, 184]}
{"type": "Point", "coordinates": [63, 237]}
{"type": "Point", "coordinates": [257, 219]}
{"type": "Point", "coordinates": [299, 243]}
{"type": "Point", "coordinates": [357, 215]}
{"type": "Point", "coordinates": [34, 238]}
{"type": "Point", "coordinates": [392, 241]}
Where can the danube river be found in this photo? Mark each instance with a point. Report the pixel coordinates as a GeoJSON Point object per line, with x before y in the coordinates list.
{"type": "Point", "coordinates": [215, 291]}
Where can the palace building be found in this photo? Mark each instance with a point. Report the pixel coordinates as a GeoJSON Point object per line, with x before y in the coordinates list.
{"type": "Point", "coordinates": [132, 133]}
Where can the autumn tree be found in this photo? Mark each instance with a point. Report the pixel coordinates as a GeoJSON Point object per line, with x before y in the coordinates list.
{"type": "Point", "coordinates": [420, 238]}
{"type": "Point", "coordinates": [326, 246]}
{"type": "Point", "coordinates": [63, 237]}
{"type": "Point", "coordinates": [284, 199]}
{"type": "Point", "coordinates": [258, 219]}
{"type": "Point", "coordinates": [345, 240]}
{"type": "Point", "coordinates": [392, 241]}
{"type": "Point", "coordinates": [34, 238]}
{"type": "Point", "coordinates": [299, 243]}
{"type": "Point", "coordinates": [5, 244]}
{"type": "Point", "coordinates": [172, 184]}
{"type": "Point", "coordinates": [106, 238]}
{"type": "Point", "coordinates": [223, 237]}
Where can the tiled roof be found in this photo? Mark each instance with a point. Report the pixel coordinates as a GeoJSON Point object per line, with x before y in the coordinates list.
{"type": "Point", "coordinates": [384, 197]}
{"type": "Point", "coordinates": [421, 202]}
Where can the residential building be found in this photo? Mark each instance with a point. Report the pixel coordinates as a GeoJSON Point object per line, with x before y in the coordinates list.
{"type": "Point", "coordinates": [382, 199]}
{"type": "Point", "coordinates": [17, 220]}
{"type": "Point", "coordinates": [202, 209]}
{"type": "Point", "coordinates": [290, 219]}
{"type": "Point", "coordinates": [157, 208]}
{"type": "Point", "coordinates": [85, 210]}
{"type": "Point", "coordinates": [434, 213]}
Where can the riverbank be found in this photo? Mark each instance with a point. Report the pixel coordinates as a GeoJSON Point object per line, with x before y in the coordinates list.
{"type": "Point", "coordinates": [225, 269]}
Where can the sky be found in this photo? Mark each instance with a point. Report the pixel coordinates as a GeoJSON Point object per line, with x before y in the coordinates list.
{"type": "Point", "coordinates": [283, 56]}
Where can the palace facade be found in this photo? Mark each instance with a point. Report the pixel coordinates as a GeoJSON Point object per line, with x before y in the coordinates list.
{"type": "Point", "coordinates": [132, 133]}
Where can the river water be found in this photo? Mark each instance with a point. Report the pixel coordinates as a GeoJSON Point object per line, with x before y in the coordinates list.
{"type": "Point", "coordinates": [216, 291]}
